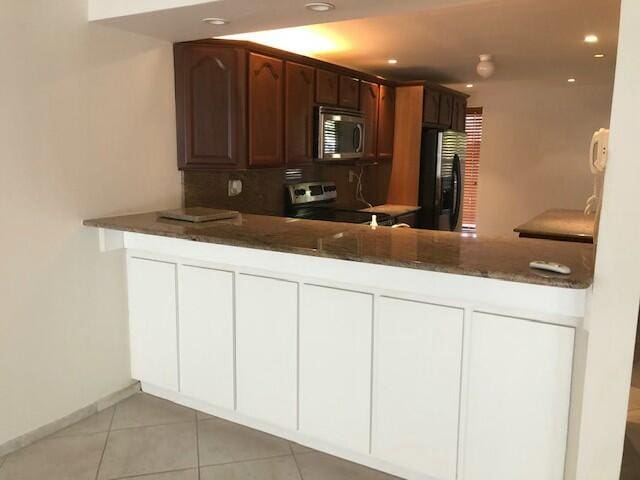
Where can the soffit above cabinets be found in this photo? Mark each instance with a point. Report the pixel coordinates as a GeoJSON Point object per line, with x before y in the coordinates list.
{"type": "Point", "coordinates": [180, 20]}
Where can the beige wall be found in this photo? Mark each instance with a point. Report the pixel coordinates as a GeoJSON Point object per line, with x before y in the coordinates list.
{"type": "Point", "coordinates": [613, 311]}
{"type": "Point", "coordinates": [536, 137]}
{"type": "Point", "coordinates": [87, 128]}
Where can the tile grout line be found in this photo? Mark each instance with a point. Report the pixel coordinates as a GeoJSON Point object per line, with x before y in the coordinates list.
{"type": "Point", "coordinates": [150, 425]}
{"type": "Point", "coordinates": [248, 460]}
{"type": "Point", "coordinates": [2, 460]}
{"type": "Point", "coordinates": [295, 460]}
{"type": "Point", "coordinates": [106, 440]}
{"type": "Point", "coordinates": [148, 474]}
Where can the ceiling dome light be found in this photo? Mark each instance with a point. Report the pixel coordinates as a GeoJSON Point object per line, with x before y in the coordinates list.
{"type": "Point", "coordinates": [469, 85]}
{"type": "Point", "coordinates": [320, 6]}
{"type": "Point", "coordinates": [599, 55]}
{"type": "Point", "coordinates": [486, 67]}
{"type": "Point", "coordinates": [215, 21]}
{"type": "Point", "coordinates": [392, 61]}
{"type": "Point", "coordinates": [571, 80]}
{"type": "Point", "coordinates": [591, 38]}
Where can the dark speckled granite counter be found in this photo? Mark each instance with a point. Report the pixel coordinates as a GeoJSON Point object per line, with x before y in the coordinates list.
{"type": "Point", "coordinates": [490, 257]}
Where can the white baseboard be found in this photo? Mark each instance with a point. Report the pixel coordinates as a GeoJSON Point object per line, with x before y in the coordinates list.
{"type": "Point", "coordinates": [74, 417]}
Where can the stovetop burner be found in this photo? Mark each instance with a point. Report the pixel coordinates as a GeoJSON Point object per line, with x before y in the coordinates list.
{"type": "Point", "coordinates": [316, 201]}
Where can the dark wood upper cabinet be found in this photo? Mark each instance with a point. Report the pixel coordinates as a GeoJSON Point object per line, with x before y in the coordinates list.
{"type": "Point", "coordinates": [459, 114]}
{"type": "Point", "coordinates": [210, 106]}
{"type": "Point", "coordinates": [349, 92]}
{"type": "Point", "coordinates": [386, 122]}
{"type": "Point", "coordinates": [326, 87]}
{"type": "Point", "coordinates": [299, 92]}
{"type": "Point", "coordinates": [446, 110]}
{"type": "Point", "coordinates": [431, 112]}
{"type": "Point", "coordinates": [369, 94]}
{"type": "Point", "coordinates": [265, 111]}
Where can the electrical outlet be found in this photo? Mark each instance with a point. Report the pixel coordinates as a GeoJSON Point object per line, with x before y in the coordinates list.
{"type": "Point", "coordinates": [352, 176]}
{"type": "Point", "coordinates": [235, 187]}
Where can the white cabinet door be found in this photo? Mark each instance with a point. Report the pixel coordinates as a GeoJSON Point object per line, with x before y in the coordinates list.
{"type": "Point", "coordinates": [266, 337]}
{"type": "Point", "coordinates": [206, 335]}
{"type": "Point", "coordinates": [335, 366]}
{"type": "Point", "coordinates": [519, 382]}
{"type": "Point", "coordinates": [152, 322]}
{"type": "Point", "coordinates": [416, 396]}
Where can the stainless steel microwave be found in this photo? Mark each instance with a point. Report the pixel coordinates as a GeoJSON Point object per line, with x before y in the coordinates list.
{"type": "Point", "coordinates": [340, 134]}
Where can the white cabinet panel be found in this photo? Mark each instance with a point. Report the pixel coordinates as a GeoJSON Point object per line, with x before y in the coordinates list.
{"type": "Point", "coordinates": [519, 383]}
{"type": "Point", "coordinates": [335, 366]}
{"type": "Point", "coordinates": [266, 333]}
{"type": "Point", "coordinates": [416, 397]}
{"type": "Point", "coordinates": [206, 335]}
{"type": "Point", "coordinates": [152, 322]}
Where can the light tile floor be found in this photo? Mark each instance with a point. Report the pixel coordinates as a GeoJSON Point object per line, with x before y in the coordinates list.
{"type": "Point", "coordinates": [147, 438]}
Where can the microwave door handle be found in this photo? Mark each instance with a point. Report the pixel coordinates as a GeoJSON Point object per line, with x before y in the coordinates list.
{"type": "Point", "coordinates": [360, 137]}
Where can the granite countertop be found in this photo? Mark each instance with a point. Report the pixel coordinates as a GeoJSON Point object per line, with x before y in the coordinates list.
{"type": "Point", "coordinates": [392, 210]}
{"type": "Point", "coordinates": [571, 225]}
{"type": "Point", "coordinates": [449, 252]}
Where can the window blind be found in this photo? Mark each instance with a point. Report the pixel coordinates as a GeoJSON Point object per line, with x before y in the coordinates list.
{"type": "Point", "coordinates": [473, 124]}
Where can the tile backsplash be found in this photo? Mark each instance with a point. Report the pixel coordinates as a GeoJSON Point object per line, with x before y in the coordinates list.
{"type": "Point", "coordinates": [263, 190]}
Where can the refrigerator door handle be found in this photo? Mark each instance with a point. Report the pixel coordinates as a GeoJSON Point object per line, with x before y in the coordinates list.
{"type": "Point", "coordinates": [456, 193]}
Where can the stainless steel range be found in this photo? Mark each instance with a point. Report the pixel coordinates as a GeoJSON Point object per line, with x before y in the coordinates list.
{"type": "Point", "coordinates": [317, 201]}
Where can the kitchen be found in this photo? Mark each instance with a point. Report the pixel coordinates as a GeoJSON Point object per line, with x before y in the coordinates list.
{"type": "Point", "coordinates": [390, 342]}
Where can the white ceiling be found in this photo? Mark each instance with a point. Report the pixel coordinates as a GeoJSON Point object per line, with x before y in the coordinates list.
{"type": "Point", "coordinates": [438, 40]}
{"type": "Point", "coordinates": [540, 39]}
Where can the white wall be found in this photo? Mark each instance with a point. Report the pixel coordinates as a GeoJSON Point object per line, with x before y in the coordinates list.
{"type": "Point", "coordinates": [87, 129]}
{"type": "Point", "coordinates": [612, 315]}
{"type": "Point", "coordinates": [535, 141]}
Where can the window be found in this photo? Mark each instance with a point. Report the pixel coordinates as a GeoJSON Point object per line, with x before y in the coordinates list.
{"type": "Point", "coordinates": [472, 169]}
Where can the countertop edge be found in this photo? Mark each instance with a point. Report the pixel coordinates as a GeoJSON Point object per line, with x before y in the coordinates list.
{"type": "Point", "coordinates": [514, 278]}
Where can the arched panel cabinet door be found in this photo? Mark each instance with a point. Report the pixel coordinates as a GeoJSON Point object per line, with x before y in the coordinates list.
{"type": "Point", "coordinates": [210, 106]}
{"type": "Point", "coordinates": [299, 113]}
{"type": "Point", "coordinates": [369, 93]}
{"type": "Point", "coordinates": [266, 111]}
{"type": "Point", "coordinates": [386, 122]}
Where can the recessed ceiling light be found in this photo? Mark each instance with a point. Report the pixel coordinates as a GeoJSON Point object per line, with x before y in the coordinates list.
{"type": "Point", "coordinates": [392, 61]}
{"type": "Point", "coordinates": [215, 21]}
{"type": "Point", "coordinates": [469, 85]}
{"type": "Point", "coordinates": [591, 38]}
{"type": "Point", "coordinates": [599, 55]}
{"type": "Point", "coordinates": [571, 80]}
{"type": "Point", "coordinates": [320, 6]}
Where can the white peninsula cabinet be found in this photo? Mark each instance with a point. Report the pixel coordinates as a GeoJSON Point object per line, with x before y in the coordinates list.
{"type": "Point", "coordinates": [425, 375]}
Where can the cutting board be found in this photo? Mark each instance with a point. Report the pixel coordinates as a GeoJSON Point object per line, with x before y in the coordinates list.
{"type": "Point", "coordinates": [198, 214]}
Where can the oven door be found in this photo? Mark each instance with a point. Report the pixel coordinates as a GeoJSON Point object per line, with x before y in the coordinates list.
{"type": "Point", "coordinates": [340, 134]}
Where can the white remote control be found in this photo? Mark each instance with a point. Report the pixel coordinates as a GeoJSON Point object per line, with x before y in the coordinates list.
{"type": "Point", "coordinates": [550, 267]}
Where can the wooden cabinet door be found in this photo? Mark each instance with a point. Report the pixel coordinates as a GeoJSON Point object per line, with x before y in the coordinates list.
{"type": "Point", "coordinates": [298, 113]}
{"type": "Point", "coordinates": [431, 113]}
{"type": "Point", "coordinates": [266, 351]}
{"type": "Point", "coordinates": [210, 106]}
{"type": "Point", "coordinates": [349, 92]}
{"type": "Point", "coordinates": [206, 337]}
{"type": "Point", "coordinates": [335, 366]}
{"type": "Point", "coordinates": [459, 114]}
{"type": "Point", "coordinates": [326, 87]}
{"type": "Point", "coordinates": [266, 89]}
{"type": "Point", "coordinates": [369, 93]}
{"type": "Point", "coordinates": [153, 336]}
{"type": "Point", "coordinates": [518, 393]}
{"type": "Point", "coordinates": [386, 122]}
{"type": "Point", "coordinates": [446, 110]}
{"type": "Point", "coordinates": [416, 386]}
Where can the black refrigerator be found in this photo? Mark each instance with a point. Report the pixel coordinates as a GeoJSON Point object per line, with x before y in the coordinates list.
{"type": "Point", "coordinates": [441, 186]}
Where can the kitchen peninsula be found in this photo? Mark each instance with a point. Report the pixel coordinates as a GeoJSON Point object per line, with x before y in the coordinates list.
{"type": "Point", "coordinates": [388, 347]}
